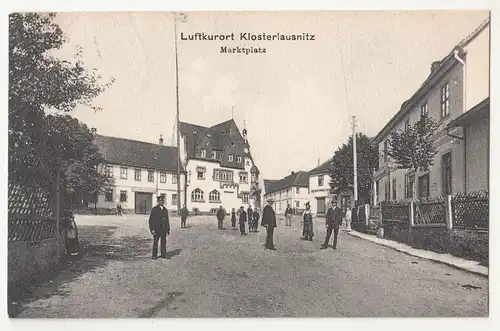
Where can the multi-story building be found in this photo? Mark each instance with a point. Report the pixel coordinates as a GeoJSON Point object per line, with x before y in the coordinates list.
{"type": "Point", "coordinates": [142, 171]}
{"type": "Point", "coordinates": [292, 190]}
{"type": "Point", "coordinates": [219, 167]}
{"type": "Point", "coordinates": [457, 85]}
{"type": "Point", "coordinates": [320, 191]}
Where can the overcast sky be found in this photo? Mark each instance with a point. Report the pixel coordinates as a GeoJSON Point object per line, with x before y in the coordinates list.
{"type": "Point", "coordinates": [293, 98]}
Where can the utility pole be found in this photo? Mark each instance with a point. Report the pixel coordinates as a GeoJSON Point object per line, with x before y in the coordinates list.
{"type": "Point", "coordinates": [354, 159]}
{"type": "Point", "coordinates": [178, 120]}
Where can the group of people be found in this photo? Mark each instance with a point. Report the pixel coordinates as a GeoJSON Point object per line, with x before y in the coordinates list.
{"type": "Point", "coordinates": [249, 216]}
{"type": "Point", "coordinates": [159, 224]}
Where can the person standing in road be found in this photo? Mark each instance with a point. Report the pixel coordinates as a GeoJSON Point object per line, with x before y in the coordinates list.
{"type": "Point", "coordinates": [184, 215]}
{"type": "Point", "coordinates": [288, 215]}
{"type": "Point", "coordinates": [255, 220]}
{"type": "Point", "coordinates": [269, 221]}
{"type": "Point", "coordinates": [159, 225]}
{"type": "Point", "coordinates": [333, 222]}
{"type": "Point", "coordinates": [250, 218]}
{"type": "Point", "coordinates": [233, 219]}
{"type": "Point", "coordinates": [243, 219]}
{"type": "Point", "coordinates": [221, 213]}
{"type": "Point", "coordinates": [307, 231]}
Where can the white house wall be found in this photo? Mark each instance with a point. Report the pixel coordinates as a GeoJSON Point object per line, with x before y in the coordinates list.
{"type": "Point", "coordinates": [130, 185]}
{"type": "Point", "coordinates": [316, 191]}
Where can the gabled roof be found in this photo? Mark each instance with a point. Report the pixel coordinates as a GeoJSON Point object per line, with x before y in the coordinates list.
{"type": "Point", "coordinates": [441, 68]}
{"type": "Point", "coordinates": [224, 137]}
{"type": "Point", "coordinates": [135, 153]}
{"type": "Point", "coordinates": [295, 179]}
{"type": "Point", "coordinates": [322, 168]}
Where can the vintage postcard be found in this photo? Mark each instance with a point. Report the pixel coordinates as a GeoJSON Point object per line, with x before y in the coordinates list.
{"type": "Point", "coordinates": [248, 164]}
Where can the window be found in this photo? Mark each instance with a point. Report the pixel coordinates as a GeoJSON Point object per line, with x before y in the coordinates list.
{"type": "Point", "coordinates": [386, 149]}
{"type": "Point", "coordinates": [123, 196]}
{"type": "Point", "coordinates": [200, 172]}
{"type": "Point", "coordinates": [238, 159]}
{"type": "Point", "coordinates": [174, 199]}
{"type": "Point", "coordinates": [214, 155]}
{"type": "Point", "coordinates": [197, 195]}
{"type": "Point", "coordinates": [409, 185]}
{"type": "Point", "coordinates": [255, 178]}
{"type": "Point", "coordinates": [245, 197]}
{"type": "Point", "coordinates": [151, 176]}
{"type": "Point", "coordinates": [407, 125]}
{"type": "Point", "coordinates": [230, 158]}
{"type": "Point", "coordinates": [223, 175]}
{"type": "Point", "coordinates": [321, 180]}
{"type": "Point", "coordinates": [108, 171]}
{"type": "Point", "coordinates": [174, 178]}
{"type": "Point", "coordinates": [123, 173]}
{"type": "Point", "coordinates": [445, 100]}
{"type": "Point", "coordinates": [394, 189]}
{"type": "Point", "coordinates": [297, 190]}
{"type": "Point", "coordinates": [247, 162]}
{"type": "Point", "coordinates": [137, 174]}
{"type": "Point", "coordinates": [243, 177]}
{"type": "Point", "coordinates": [387, 190]}
{"type": "Point", "coordinates": [203, 152]}
{"type": "Point", "coordinates": [297, 204]}
{"type": "Point", "coordinates": [214, 196]}
{"type": "Point", "coordinates": [423, 110]}
{"type": "Point", "coordinates": [163, 177]}
{"type": "Point", "coordinates": [446, 173]}
{"type": "Point", "coordinates": [109, 195]}
{"type": "Point", "coordinates": [423, 186]}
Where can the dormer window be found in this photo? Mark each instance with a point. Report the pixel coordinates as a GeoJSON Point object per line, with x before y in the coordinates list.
{"type": "Point", "coordinates": [203, 152]}
{"type": "Point", "coordinates": [214, 155]}
{"type": "Point", "coordinates": [238, 159]}
{"type": "Point", "coordinates": [230, 157]}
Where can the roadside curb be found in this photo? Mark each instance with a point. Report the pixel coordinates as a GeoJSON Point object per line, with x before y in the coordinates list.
{"type": "Point", "coordinates": [459, 263]}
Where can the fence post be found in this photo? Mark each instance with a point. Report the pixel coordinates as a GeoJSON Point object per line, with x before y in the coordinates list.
{"type": "Point", "coordinates": [411, 222]}
{"type": "Point", "coordinates": [367, 213]}
{"type": "Point", "coordinates": [449, 213]}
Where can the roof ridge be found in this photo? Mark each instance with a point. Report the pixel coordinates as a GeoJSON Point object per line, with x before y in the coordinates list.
{"type": "Point", "coordinates": [137, 141]}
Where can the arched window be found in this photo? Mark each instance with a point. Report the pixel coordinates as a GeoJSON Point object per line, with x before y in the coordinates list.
{"type": "Point", "coordinates": [197, 195]}
{"type": "Point", "coordinates": [214, 196]}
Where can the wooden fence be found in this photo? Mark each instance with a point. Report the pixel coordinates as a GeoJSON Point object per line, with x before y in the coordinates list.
{"type": "Point", "coordinates": [470, 211]}
{"type": "Point", "coordinates": [29, 214]}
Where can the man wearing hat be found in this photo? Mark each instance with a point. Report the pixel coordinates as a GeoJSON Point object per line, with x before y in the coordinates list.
{"type": "Point", "coordinates": [159, 225]}
{"type": "Point", "coordinates": [333, 222]}
{"type": "Point", "coordinates": [269, 221]}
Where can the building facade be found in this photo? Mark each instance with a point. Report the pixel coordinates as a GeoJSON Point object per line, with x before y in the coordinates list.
{"type": "Point", "coordinates": [219, 167]}
{"type": "Point", "coordinates": [455, 83]}
{"type": "Point", "coordinates": [141, 172]}
{"type": "Point", "coordinates": [292, 190]}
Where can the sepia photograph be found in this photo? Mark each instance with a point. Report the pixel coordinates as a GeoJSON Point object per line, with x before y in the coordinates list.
{"type": "Point", "coordinates": [244, 164]}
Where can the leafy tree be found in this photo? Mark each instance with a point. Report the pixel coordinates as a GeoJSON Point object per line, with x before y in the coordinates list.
{"type": "Point", "coordinates": [342, 172]}
{"type": "Point", "coordinates": [413, 147]}
{"type": "Point", "coordinates": [38, 145]}
{"type": "Point", "coordinates": [78, 157]}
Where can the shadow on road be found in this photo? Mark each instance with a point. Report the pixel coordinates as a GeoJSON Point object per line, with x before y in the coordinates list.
{"type": "Point", "coordinates": [98, 248]}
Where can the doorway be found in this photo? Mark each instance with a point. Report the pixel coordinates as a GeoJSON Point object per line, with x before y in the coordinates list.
{"type": "Point", "coordinates": [143, 202]}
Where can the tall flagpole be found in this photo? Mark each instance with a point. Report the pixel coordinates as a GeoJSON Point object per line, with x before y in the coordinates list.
{"type": "Point", "coordinates": [355, 159]}
{"type": "Point", "coordinates": [178, 120]}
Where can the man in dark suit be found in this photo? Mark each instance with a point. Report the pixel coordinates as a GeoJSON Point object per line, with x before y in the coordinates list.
{"type": "Point", "coordinates": [221, 214]}
{"type": "Point", "coordinates": [159, 225]}
{"type": "Point", "coordinates": [243, 219]}
{"type": "Point", "coordinates": [333, 222]}
{"type": "Point", "coordinates": [269, 221]}
{"type": "Point", "coordinates": [250, 218]}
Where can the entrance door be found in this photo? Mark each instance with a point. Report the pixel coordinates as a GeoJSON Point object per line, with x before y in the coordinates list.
{"type": "Point", "coordinates": [320, 203]}
{"type": "Point", "coordinates": [345, 203]}
{"type": "Point", "coordinates": [143, 202]}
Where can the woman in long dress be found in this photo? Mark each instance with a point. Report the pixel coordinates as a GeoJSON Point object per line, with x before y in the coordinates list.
{"type": "Point", "coordinates": [307, 232]}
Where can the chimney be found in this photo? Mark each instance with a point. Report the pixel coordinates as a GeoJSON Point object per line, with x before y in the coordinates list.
{"type": "Point", "coordinates": [435, 65]}
{"type": "Point", "coordinates": [292, 172]}
{"type": "Point", "coordinates": [93, 131]}
{"type": "Point", "coordinates": [160, 141]}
